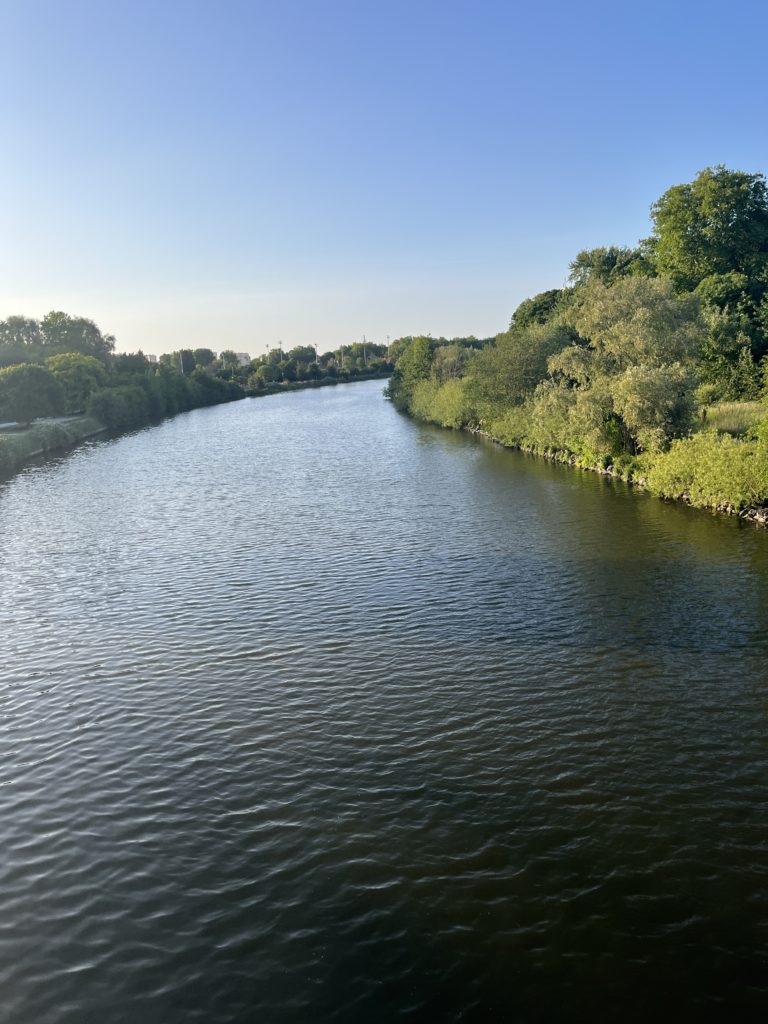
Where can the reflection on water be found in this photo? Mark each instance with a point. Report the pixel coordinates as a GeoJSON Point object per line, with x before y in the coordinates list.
{"type": "Point", "coordinates": [313, 713]}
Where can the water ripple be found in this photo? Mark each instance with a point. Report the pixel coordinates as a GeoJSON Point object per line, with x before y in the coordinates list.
{"type": "Point", "coordinates": [310, 713]}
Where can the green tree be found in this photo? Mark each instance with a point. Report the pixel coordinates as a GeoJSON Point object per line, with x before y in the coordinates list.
{"type": "Point", "coordinates": [20, 332]}
{"type": "Point", "coordinates": [203, 356]}
{"type": "Point", "coordinates": [655, 403]}
{"type": "Point", "coordinates": [65, 333]}
{"type": "Point", "coordinates": [638, 320]}
{"type": "Point", "coordinates": [28, 392]}
{"type": "Point", "coordinates": [413, 366]}
{"type": "Point", "coordinates": [506, 373]}
{"type": "Point", "coordinates": [79, 377]}
{"type": "Point", "coordinates": [716, 224]}
{"type": "Point", "coordinates": [608, 264]}
{"type": "Point", "coordinates": [449, 362]}
{"type": "Point", "coordinates": [269, 373]}
{"type": "Point", "coordinates": [186, 361]}
{"type": "Point", "coordinates": [539, 309]}
{"type": "Point", "coordinates": [229, 361]}
{"type": "Point", "coordinates": [290, 370]}
{"type": "Point", "coordinates": [130, 363]}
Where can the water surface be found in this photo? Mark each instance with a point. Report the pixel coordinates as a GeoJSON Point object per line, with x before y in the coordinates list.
{"type": "Point", "coordinates": [311, 713]}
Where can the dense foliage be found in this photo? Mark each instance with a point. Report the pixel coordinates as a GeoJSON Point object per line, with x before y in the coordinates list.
{"type": "Point", "coordinates": [619, 369]}
{"type": "Point", "coordinates": [280, 370]}
{"type": "Point", "coordinates": [27, 392]}
{"type": "Point", "coordinates": [69, 367]}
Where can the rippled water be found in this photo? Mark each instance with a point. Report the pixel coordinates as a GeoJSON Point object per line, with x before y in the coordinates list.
{"type": "Point", "coordinates": [310, 713]}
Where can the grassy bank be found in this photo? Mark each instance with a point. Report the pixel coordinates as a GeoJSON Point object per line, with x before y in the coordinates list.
{"type": "Point", "coordinates": [722, 464]}
{"type": "Point", "coordinates": [18, 447]}
{"type": "Point", "coordinates": [710, 470]}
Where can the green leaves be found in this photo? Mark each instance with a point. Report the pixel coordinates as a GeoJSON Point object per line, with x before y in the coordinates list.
{"type": "Point", "coordinates": [28, 392]}
{"type": "Point", "coordinates": [716, 224]}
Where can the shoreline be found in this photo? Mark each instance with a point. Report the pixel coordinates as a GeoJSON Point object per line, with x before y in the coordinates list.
{"type": "Point", "coordinates": [756, 515]}
{"type": "Point", "coordinates": [18, 448]}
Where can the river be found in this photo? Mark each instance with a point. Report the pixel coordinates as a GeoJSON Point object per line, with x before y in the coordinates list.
{"type": "Point", "coordinates": [312, 713]}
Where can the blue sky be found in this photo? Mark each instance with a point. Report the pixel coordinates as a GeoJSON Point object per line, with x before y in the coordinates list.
{"type": "Point", "coordinates": [232, 174]}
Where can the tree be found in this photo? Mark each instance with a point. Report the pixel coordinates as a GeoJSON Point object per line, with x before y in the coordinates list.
{"type": "Point", "coordinates": [539, 309]}
{"type": "Point", "coordinates": [715, 224]}
{"type": "Point", "coordinates": [655, 403]}
{"type": "Point", "coordinates": [65, 333]}
{"type": "Point", "coordinates": [638, 320]}
{"type": "Point", "coordinates": [269, 373]}
{"type": "Point", "coordinates": [629, 386]}
{"type": "Point", "coordinates": [229, 360]}
{"type": "Point", "coordinates": [506, 373]}
{"type": "Point", "coordinates": [79, 377]}
{"type": "Point", "coordinates": [398, 347]}
{"type": "Point", "coordinates": [27, 392]}
{"type": "Point", "coordinates": [203, 356]}
{"type": "Point", "coordinates": [290, 370]}
{"type": "Point", "coordinates": [186, 360]}
{"type": "Point", "coordinates": [608, 264]}
{"type": "Point", "coordinates": [20, 331]}
{"type": "Point", "coordinates": [449, 362]}
{"type": "Point", "coordinates": [413, 366]}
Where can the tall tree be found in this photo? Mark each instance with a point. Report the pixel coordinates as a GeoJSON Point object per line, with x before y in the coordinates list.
{"type": "Point", "coordinates": [20, 331]}
{"type": "Point", "coordinates": [504, 374]}
{"type": "Point", "coordinates": [203, 356]}
{"type": "Point", "coordinates": [64, 333]}
{"type": "Point", "coordinates": [713, 225]}
{"type": "Point", "coordinates": [608, 264]}
{"type": "Point", "coordinates": [79, 377]}
{"type": "Point", "coordinates": [539, 309]}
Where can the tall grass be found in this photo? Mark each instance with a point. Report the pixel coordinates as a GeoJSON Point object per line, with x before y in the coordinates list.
{"type": "Point", "coordinates": [733, 418]}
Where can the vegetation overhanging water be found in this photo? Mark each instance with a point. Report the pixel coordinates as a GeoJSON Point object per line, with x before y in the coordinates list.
{"type": "Point", "coordinates": [650, 365]}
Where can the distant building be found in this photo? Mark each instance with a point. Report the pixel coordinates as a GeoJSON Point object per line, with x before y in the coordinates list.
{"type": "Point", "coordinates": [151, 359]}
{"type": "Point", "coordinates": [243, 358]}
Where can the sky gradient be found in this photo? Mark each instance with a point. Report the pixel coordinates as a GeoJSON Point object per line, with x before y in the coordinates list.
{"type": "Point", "coordinates": [236, 174]}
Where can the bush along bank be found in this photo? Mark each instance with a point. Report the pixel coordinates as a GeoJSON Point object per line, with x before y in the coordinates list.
{"type": "Point", "coordinates": [650, 365]}
{"type": "Point", "coordinates": [279, 387]}
{"type": "Point", "coordinates": [117, 393]}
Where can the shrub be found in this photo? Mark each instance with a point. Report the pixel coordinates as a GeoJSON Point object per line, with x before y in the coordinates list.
{"type": "Point", "coordinates": [119, 408]}
{"type": "Point", "coordinates": [28, 392]}
{"type": "Point", "coordinates": [711, 470]}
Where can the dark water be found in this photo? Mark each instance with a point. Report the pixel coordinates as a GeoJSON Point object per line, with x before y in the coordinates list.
{"type": "Point", "coordinates": [309, 713]}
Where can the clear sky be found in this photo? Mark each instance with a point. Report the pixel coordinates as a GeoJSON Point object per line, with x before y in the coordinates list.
{"type": "Point", "coordinates": [231, 174]}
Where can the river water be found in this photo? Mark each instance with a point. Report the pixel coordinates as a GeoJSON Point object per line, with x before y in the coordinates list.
{"type": "Point", "coordinates": [312, 713]}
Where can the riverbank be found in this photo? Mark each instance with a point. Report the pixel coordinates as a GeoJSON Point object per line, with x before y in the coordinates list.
{"type": "Point", "coordinates": [281, 387]}
{"type": "Point", "coordinates": [633, 474]}
{"type": "Point", "coordinates": [18, 447]}
{"type": "Point", "coordinates": [21, 446]}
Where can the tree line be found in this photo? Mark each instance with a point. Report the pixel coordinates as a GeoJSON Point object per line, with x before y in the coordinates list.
{"type": "Point", "coordinates": [301, 364]}
{"type": "Point", "coordinates": [64, 365]}
{"type": "Point", "coordinates": [617, 368]}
